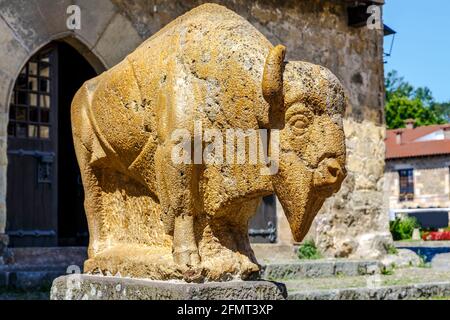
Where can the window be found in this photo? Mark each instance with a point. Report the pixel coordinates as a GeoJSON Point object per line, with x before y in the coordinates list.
{"type": "Point", "coordinates": [29, 113]}
{"type": "Point", "coordinates": [406, 184]}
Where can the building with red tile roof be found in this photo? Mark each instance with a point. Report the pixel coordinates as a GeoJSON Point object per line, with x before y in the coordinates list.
{"type": "Point", "coordinates": [416, 142]}
{"type": "Point", "coordinates": [417, 172]}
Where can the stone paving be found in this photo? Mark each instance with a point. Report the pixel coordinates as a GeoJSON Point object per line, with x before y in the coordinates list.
{"type": "Point", "coordinates": [435, 291]}
{"type": "Point", "coordinates": [407, 283]}
{"type": "Point", "coordinates": [441, 262]}
{"type": "Point", "coordinates": [398, 277]}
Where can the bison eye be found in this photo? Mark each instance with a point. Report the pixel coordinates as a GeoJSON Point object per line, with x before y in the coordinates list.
{"type": "Point", "coordinates": [299, 122]}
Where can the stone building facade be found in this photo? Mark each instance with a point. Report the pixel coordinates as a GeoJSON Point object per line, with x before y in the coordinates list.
{"type": "Point", "coordinates": [353, 223]}
{"type": "Point", "coordinates": [431, 176]}
{"type": "Point", "coordinates": [418, 173]}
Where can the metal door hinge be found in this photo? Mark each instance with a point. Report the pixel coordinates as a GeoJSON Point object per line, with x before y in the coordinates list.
{"type": "Point", "coordinates": [45, 163]}
{"type": "Point", "coordinates": [270, 232]}
{"type": "Point", "coordinates": [31, 233]}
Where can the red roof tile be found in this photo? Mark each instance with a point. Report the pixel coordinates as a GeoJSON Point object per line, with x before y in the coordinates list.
{"type": "Point", "coordinates": [410, 148]}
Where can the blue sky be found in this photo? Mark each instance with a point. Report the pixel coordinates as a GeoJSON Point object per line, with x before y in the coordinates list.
{"type": "Point", "coordinates": [421, 52]}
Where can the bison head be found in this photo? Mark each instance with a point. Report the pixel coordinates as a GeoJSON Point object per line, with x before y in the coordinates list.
{"type": "Point", "coordinates": [307, 103]}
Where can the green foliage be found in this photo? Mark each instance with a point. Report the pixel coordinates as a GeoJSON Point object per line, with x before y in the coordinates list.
{"type": "Point", "coordinates": [308, 250]}
{"type": "Point", "coordinates": [442, 109]}
{"type": "Point", "coordinates": [403, 101]}
{"type": "Point", "coordinates": [402, 228]}
{"type": "Point", "coordinates": [387, 271]}
{"type": "Point", "coordinates": [423, 263]}
{"type": "Point", "coordinates": [398, 109]}
{"type": "Point", "coordinates": [397, 86]}
{"type": "Point", "coordinates": [390, 249]}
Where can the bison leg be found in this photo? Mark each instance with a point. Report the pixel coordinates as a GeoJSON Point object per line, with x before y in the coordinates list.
{"type": "Point", "coordinates": [185, 251]}
{"type": "Point", "coordinates": [178, 193]}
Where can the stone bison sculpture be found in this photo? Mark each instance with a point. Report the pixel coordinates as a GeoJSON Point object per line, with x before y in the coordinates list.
{"type": "Point", "coordinates": [150, 217]}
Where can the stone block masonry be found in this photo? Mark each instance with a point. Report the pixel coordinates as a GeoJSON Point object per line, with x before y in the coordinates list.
{"type": "Point", "coordinates": [431, 182]}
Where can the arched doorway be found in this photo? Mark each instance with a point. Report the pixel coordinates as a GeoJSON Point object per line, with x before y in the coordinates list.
{"type": "Point", "coordinates": [45, 195]}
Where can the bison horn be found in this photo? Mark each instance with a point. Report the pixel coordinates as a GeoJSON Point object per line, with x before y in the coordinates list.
{"type": "Point", "coordinates": [272, 85]}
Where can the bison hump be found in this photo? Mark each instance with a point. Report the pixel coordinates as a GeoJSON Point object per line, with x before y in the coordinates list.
{"type": "Point", "coordinates": [120, 112]}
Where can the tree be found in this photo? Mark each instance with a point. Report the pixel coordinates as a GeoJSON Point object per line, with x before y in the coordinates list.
{"type": "Point", "coordinates": [399, 108]}
{"type": "Point", "coordinates": [403, 101]}
{"type": "Point", "coordinates": [442, 109]}
{"type": "Point", "coordinates": [396, 86]}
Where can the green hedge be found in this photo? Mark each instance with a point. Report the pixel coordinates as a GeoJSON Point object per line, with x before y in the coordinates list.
{"type": "Point", "coordinates": [402, 228]}
{"type": "Point", "coordinates": [308, 250]}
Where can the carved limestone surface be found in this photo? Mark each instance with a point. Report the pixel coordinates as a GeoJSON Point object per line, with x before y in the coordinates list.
{"type": "Point", "coordinates": [152, 217]}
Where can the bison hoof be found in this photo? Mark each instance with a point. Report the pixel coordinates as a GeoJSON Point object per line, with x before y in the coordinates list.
{"type": "Point", "coordinates": [195, 275]}
{"type": "Point", "coordinates": [186, 258]}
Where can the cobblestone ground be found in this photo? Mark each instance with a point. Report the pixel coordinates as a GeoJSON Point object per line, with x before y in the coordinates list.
{"type": "Point", "coordinates": [398, 277]}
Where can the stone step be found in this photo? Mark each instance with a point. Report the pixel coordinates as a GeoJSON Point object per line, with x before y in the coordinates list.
{"type": "Point", "coordinates": [423, 244]}
{"type": "Point", "coordinates": [36, 268]}
{"type": "Point", "coordinates": [49, 256]}
{"type": "Point", "coordinates": [404, 283]}
{"type": "Point", "coordinates": [399, 292]}
{"type": "Point", "coordinates": [266, 252]}
{"type": "Point", "coordinates": [319, 269]}
{"type": "Point", "coordinates": [29, 280]}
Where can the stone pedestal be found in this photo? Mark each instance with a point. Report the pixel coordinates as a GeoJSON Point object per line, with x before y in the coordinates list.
{"type": "Point", "coordinates": [93, 287]}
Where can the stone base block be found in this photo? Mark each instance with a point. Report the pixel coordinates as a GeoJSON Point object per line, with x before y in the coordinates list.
{"type": "Point", "coordinates": [93, 287]}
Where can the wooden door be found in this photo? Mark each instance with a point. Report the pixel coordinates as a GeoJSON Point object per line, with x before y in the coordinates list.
{"type": "Point", "coordinates": [73, 71]}
{"type": "Point", "coordinates": [263, 226]}
{"type": "Point", "coordinates": [32, 144]}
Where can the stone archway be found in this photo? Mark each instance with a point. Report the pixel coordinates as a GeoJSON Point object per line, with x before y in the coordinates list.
{"type": "Point", "coordinates": [105, 38]}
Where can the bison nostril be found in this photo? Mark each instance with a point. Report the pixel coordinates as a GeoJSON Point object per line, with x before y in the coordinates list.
{"type": "Point", "coordinates": [328, 173]}
{"type": "Point", "coordinates": [334, 171]}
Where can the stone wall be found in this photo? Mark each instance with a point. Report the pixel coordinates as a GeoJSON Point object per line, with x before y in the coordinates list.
{"type": "Point", "coordinates": [431, 182]}
{"type": "Point", "coordinates": [313, 30]}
